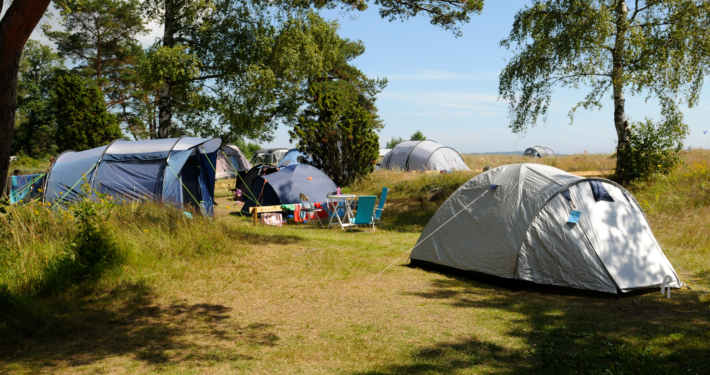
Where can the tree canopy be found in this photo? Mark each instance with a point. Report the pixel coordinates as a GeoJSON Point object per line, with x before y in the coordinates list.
{"type": "Point", "coordinates": [650, 48]}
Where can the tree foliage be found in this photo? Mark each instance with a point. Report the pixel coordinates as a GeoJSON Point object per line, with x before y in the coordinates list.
{"type": "Point", "coordinates": [392, 143]}
{"type": "Point", "coordinates": [417, 136]}
{"type": "Point", "coordinates": [81, 116]}
{"type": "Point", "coordinates": [651, 48]}
{"type": "Point", "coordinates": [34, 130]}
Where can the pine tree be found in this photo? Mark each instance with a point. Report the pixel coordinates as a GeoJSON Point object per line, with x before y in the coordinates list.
{"type": "Point", "coordinates": [338, 132]}
{"type": "Point", "coordinates": [82, 121]}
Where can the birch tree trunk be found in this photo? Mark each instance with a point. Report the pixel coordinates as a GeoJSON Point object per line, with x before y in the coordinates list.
{"type": "Point", "coordinates": [620, 122]}
{"type": "Point", "coordinates": [15, 28]}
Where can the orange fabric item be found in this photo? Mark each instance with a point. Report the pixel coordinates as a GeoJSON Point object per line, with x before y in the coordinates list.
{"type": "Point", "coordinates": [310, 178]}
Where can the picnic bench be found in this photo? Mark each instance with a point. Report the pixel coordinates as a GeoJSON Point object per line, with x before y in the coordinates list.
{"type": "Point", "coordinates": [255, 211]}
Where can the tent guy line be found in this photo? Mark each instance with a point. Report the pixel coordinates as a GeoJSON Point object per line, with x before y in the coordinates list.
{"type": "Point", "coordinates": [430, 234]}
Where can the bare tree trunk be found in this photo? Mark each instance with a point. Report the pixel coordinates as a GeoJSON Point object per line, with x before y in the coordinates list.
{"type": "Point", "coordinates": [165, 116]}
{"type": "Point", "coordinates": [15, 28]}
{"type": "Point", "coordinates": [620, 122]}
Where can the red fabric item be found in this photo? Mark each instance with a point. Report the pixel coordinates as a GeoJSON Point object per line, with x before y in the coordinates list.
{"type": "Point", "coordinates": [297, 214]}
{"type": "Point", "coordinates": [321, 214]}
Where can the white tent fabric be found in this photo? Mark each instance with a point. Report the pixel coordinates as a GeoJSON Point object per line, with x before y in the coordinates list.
{"type": "Point", "coordinates": [423, 155]}
{"type": "Point", "coordinates": [518, 228]}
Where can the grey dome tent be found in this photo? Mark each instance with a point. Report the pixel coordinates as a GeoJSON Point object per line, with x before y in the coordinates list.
{"type": "Point", "coordinates": [285, 186]}
{"type": "Point", "coordinates": [177, 171]}
{"type": "Point", "coordinates": [423, 155]}
{"type": "Point", "coordinates": [515, 222]}
{"type": "Point", "coordinates": [538, 151]}
{"type": "Point", "coordinates": [230, 161]}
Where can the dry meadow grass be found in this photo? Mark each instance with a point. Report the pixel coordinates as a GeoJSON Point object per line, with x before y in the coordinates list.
{"type": "Point", "coordinates": [222, 296]}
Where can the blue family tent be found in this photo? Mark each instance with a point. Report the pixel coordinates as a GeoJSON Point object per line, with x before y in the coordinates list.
{"type": "Point", "coordinates": [285, 186]}
{"type": "Point", "coordinates": [176, 171]}
{"type": "Point", "coordinates": [293, 157]}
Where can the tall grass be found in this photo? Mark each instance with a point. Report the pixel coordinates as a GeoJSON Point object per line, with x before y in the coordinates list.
{"type": "Point", "coordinates": [569, 163]}
{"type": "Point", "coordinates": [49, 254]}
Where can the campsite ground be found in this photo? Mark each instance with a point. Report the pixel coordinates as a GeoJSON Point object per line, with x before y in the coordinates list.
{"type": "Point", "coordinates": [222, 296]}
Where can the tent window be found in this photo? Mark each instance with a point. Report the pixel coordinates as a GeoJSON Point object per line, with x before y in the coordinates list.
{"type": "Point", "coordinates": [567, 195]}
{"type": "Point", "coordinates": [600, 193]}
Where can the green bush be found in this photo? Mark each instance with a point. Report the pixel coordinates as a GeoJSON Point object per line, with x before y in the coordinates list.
{"type": "Point", "coordinates": [653, 148]}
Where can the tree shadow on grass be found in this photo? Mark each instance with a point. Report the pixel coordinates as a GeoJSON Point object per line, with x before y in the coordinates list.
{"type": "Point", "coordinates": [259, 238]}
{"type": "Point", "coordinates": [564, 331]}
{"type": "Point", "coordinates": [88, 324]}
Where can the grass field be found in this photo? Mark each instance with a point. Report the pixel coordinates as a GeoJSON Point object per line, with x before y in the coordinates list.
{"type": "Point", "coordinates": [222, 296]}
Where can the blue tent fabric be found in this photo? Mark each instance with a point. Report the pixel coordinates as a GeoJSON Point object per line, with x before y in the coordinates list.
{"type": "Point", "coordinates": [291, 158]}
{"type": "Point", "coordinates": [567, 195]}
{"type": "Point", "coordinates": [150, 170]}
{"type": "Point", "coordinates": [206, 180]}
{"type": "Point", "coordinates": [285, 186]}
{"type": "Point", "coordinates": [130, 181]}
{"type": "Point", "coordinates": [172, 187]}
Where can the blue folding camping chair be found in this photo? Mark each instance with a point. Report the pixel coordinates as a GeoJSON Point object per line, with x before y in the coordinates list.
{"type": "Point", "coordinates": [365, 210]}
{"type": "Point", "coordinates": [381, 206]}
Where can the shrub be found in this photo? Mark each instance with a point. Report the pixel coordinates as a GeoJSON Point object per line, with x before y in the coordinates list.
{"type": "Point", "coordinates": [653, 148]}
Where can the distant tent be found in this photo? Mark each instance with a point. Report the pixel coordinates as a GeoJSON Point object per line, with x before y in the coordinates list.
{"type": "Point", "coordinates": [284, 187]}
{"type": "Point", "coordinates": [230, 160]}
{"type": "Point", "coordinates": [538, 152]}
{"type": "Point", "coordinates": [271, 156]}
{"type": "Point", "coordinates": [384, 151]}
{"type": "Point", "coordinates": [293, 157]}
{"type": "Point", "coordinates": [177, 171]}
{"type": "Point", "coordinates": [537, 223]}
{"type": "Point", "coordinates": [423, 155]}
{"type": "Point", "coordinates": [245, 179]}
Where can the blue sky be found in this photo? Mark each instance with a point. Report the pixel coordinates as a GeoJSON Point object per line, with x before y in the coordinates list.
{"type": "Point", "coordinates": [447, 87]}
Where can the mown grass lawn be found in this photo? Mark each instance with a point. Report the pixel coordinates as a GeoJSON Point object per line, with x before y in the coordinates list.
{"type": "Point", "coordinates": [222, 296]}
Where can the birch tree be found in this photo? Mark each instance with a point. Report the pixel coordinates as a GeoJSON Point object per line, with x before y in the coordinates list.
{"type": "Point", "coordinates": [652, 48]}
